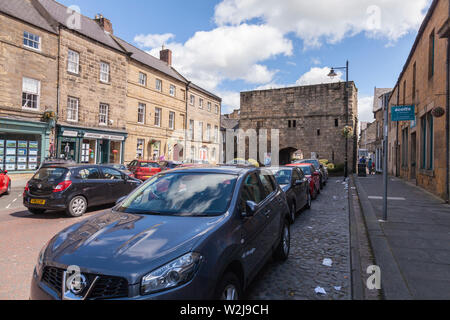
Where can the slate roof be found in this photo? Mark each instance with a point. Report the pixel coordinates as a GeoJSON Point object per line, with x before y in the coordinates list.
{"type": "Point", "coordinates": [226, 123]}
{"type": "Point", "coordinates": [89, 27]}
{"type": "Point", "coordinates": [25, 11]}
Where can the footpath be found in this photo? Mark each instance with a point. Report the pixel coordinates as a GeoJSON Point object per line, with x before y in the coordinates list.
{"type": "Point", "coordinates": [412, 248]}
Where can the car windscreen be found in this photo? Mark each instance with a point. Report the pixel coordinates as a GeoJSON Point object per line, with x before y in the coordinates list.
{"type": "Point", "coordinates": [182, 194]}
{"type": "Point", "coordinates": [283, 176]}
{"type": "Point", "coordinates": [149, 165]}
{"type": "Point", "coordinates": [50, 174]}
{"type": "Point", "coordinates": [306, 170]}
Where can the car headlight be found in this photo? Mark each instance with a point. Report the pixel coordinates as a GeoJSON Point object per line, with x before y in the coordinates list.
{"type": "Point", "coordinates": [173, 274]}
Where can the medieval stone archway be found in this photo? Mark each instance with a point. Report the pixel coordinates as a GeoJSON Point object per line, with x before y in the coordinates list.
{"type": "Point", "coordinates": [286, 155]}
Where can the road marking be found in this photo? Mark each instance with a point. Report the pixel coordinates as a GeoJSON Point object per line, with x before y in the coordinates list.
{"type": "Point", "coordinates": [389, 198]}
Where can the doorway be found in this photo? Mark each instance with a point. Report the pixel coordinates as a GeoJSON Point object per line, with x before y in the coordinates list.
{"type": "Point", "coordinates": [413, 156]}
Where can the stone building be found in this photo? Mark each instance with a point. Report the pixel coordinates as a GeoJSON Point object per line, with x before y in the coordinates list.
{"type": "Point", "coordinates": [92, 72]}
{"type": "Point", "coordinates": [368, 138]}
{"type": "Point", "coordinates": [380, 103]}
{"type": "Point", "coordinates": [204, 110]}
{"type": "Point", "coordinates": [311, 120]}
{"type": "Point", "coordinates": [419, 150]}
{"type": "Point", "coordinates": [28, 82]}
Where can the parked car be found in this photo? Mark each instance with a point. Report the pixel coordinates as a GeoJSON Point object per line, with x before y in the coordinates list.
{"type": "Point", "coordinates": [323, 170]}
{"type": "Point", "coordinates": [243, 162]}
{"type": "Point", "coordinates": [169, 165]}
{"type": "Point", "coordinates": [74, 188]}
{"type": "Point", "coordinates": [143, 170]}
{"type": "Point", "coordinates": [313, 176]}
{"type": "Point", "coordinates": [52, 162]}
{"type": "Point", "coordinates": [195, 233]}
{"type": "Point", "coordinates": [5, 182]}
{"type": "Point", "coordinates": [120, 167]}
{"type": "Point", "coordinates": [296, 186]}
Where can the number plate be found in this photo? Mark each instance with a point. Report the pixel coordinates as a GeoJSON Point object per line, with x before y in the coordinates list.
{"type": "Point", "coordinates": [37, 201]}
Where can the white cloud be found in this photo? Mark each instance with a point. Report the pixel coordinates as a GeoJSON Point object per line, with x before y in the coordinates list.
{"type": "Point", "coordinates": [327, 20]}
{"type": "Point", "coordinates": [231, 100]}
{"type": "Point", "coordinates": [318, 76]}
{"type": "Point", "coordinates": [365, 108]}
{"type": "Point", "coordinates": [316, 61]}
{"type": "Point", "coordinates": [153, 40]}
{"type": "Point", "coordinates": [227, 53]}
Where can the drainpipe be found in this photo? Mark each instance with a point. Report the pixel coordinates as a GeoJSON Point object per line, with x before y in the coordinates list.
{"type": "Point", "coordinates": [447, 118]}
{"type": "Point", "coordinates": [58, 98]}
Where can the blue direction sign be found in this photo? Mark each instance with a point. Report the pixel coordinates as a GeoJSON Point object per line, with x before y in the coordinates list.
{"type": "Point", "coordinates": [403, 113]}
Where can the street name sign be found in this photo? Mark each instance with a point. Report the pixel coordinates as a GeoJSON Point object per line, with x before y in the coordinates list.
{"type": "Point", "coordinates": [403, 113]}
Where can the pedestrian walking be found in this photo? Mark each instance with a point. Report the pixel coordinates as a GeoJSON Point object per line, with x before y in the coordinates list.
{"type": "Point", "coordinates": [370, 165]}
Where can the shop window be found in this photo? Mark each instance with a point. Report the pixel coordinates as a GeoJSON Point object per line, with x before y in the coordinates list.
{"type": "Point", "coordinates": [19, 152]}
{"type": "Point", "coordinates": [140, 148]}
{"type": "Point", "coordinates": [115, 151]}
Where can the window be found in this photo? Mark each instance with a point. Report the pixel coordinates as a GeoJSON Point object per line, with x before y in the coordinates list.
{"type": "Point", "coordinates": [111, 174]}
{"type": "Point", "coordinates": [104, 72]}
{"type": "Point", "coordinates": [200, 103]}
{"type": "Point", "coordinates": [213, 154]}
{"type": "Point", "coordinates": [73, 62]}
{"type": "Point", "coordinates": [217, 108]}
{"type": "Point", "coordinates": [158, 112]}
{"type": "Point", "coordinates": [192, 100]}
{"type": "Point", "coordinates": [289, 124]}
{"type": "Point", "coordinates": [72, 109]}
{"type": "Point", "coordinates": [294, 123]}
{"type": "Point", "coordinates": [103, 114]}
{"type": "Point", "coordinates": [336, 122]}
{"type": "Point", "coordinates": [267, 183]}
{"type": "Point", "coordinates": [414, 83]}
{"type": "Point", "coordinates": [427, 150]}
{"type": "Point", "coordinates": [404, 92]}
{"type": "Point", "coordinates": [31, 40]}
{"type": "Point", "coordinates": [209, 106]}
{"type": "Point", "coordinates": [139, 150]}
{"type": "Point", "coordinates": [30, 93]}
{"type": "Point", "coordinates": [141, 113]}
{"type": "Point", "coordinates": [172, 90]}
{"type": "Point", "coordinates": [158, 85]}
{"type": "Point", "coordinates": [89, 174]}
{"type": "Point", "coordinates": [251, 191]}
{"type": "Point", "coordinates": [216, 134]}
{"type": "Point", "coordinates": [431, 55]}
{"type": "Point", "coordinates": [201, 131]}
{"type": "Point", "coordinates": [171, 120]}
{"type": "Point", "coordinates": [142, 79]}
{"type": "Point", "coordinates": [318, 132]}
{"type": "Point", "coordinates": [191, 129]}
{"type": "Point", "coordinates": [208, 132]}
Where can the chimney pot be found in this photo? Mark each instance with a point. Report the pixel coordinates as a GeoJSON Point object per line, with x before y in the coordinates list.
{"type": "Point", "coordinates": [104, 23]}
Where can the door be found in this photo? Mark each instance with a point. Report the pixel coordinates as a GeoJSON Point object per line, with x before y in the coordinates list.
{"type": "Point", "coordinates": [413, 156]}
{"type": "Point", "coordinates": [117, 186]}
{"type": "Point", "coordinates": [92, 184]}
{"type": "Point", "coordinates": [253, 251]}
{"type": "Point", "coordinates": [301, 189]}
{"type": "Point", "coordinates": [272, 209]}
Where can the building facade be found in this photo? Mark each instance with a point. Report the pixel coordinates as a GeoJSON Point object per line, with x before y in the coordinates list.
{"type": "Point", "coordinates": [380, 104]}
{"type": "Point", "coordinates": [28, 82]}
{"type": "Point", "coordinates": [418, 150]}
{"type": "Point", "coordinates": [203, 112]}
{"type": "Point", "coordinates": [311, 120]}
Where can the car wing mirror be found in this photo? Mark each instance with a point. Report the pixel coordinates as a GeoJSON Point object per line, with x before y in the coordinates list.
{"type": "Point", "coordinates": [250, 209]}
{"type": "Point", "coordinates": [298, 182]}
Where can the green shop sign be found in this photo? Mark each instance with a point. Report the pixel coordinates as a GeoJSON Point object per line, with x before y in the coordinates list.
{"type": "Point", "coordinates": [403, 113]}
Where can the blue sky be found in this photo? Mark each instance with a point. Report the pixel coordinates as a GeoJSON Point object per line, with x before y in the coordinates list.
{"type": "Point", "coordinates": [271, 43]}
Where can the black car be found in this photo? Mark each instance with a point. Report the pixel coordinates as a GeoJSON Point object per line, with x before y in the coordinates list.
{"type": "Point", "coordinates": [74, 188]}
{"type": "Point", "coordinates": [296, 186]}
{"type": "Point", "coordinates": [193, 233]}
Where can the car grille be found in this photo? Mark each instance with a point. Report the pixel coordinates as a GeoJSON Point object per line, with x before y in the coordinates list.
{"type": "Point", "coordinates": [106, 287]}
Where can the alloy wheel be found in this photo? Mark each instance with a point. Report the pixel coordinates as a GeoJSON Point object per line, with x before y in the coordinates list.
{"type": "Point", "coordinates": [79, 206]}
{"type": "Point", "coordinates": [286, 240]}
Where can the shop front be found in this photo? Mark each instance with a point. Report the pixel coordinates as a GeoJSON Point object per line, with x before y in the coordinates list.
{"type": "Point", "coordinates": [85, 145]}
{"type": "Point", "coordinates": [23, 144]}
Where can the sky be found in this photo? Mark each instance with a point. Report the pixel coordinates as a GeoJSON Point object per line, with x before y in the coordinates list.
{"type": "Point", "coordinates": [230, 46]}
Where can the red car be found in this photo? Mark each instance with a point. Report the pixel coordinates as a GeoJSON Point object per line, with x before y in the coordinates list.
{"type": "Point", "coordinates": [5, 182]}
{"type": "Point", "coordinates": [143, 170]}
{"type": "Point", "coordinates": [313, 177]}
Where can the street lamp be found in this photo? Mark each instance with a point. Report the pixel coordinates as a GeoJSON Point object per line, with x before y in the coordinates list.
{"type": "Point", "coordinates": [333, 74]}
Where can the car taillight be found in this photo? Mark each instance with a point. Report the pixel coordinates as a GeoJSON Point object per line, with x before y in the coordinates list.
{"type": "Point", "coordinates": [62, 186]}
{"type": "Point", "coordinates": [27, 188]}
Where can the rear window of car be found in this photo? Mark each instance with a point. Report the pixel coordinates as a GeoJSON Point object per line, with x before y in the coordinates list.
{"type": "Point", "coordinates": [149, 165]}
{"type": "Point", "coordinates": [50, 173]}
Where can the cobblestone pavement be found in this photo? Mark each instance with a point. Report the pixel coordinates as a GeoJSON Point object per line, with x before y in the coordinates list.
{"type": "Point", "coordinates": [317, 234]}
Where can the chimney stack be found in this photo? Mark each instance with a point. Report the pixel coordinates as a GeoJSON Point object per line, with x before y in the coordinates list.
{"type": "Point", "coordinates": [166, 55]}
{"type": "Point", "coordinates": [104, 23]}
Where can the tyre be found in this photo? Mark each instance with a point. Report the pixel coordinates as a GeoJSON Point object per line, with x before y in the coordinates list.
{"type": "Point", "coordinates": [293, 213]}
{"type": "Point", "coordinates": [283, 249]}
{"type": "Point", "coordinates": [77, 207]}
{"type": "Point", "coordinates": [8, 190]}
{"type": "Point", "coordinates": [36, 211]}
{"type": "Point", "coordinates": [308, 201]}
{"type": "Point", "coordinates": [229, 288]}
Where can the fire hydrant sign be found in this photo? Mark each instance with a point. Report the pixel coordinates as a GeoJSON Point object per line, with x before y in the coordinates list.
{"type": "Point", "coordinates": [403, 113]}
